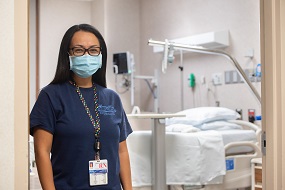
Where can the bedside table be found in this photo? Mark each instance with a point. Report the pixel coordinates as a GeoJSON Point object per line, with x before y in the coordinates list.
{"type": "Point", "coordinates": [256, 174]}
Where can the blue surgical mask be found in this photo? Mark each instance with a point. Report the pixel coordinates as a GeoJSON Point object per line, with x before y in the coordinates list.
{"type": "Point", "coordinates": [86, 65]}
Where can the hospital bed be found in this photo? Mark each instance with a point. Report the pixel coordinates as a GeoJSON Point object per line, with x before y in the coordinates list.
{"type": "Point", "coordinates": [203, 155]}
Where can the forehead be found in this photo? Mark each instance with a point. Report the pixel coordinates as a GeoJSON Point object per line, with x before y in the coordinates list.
{"type": "Point", "coordinates": [85, 39]}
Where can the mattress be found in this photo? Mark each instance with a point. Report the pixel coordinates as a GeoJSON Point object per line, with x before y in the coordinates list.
{"type": "Point", "coordinates": [191, 158]}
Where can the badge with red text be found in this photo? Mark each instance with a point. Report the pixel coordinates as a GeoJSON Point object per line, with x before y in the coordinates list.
{"type": "Point", "coordinates": [98, 172]}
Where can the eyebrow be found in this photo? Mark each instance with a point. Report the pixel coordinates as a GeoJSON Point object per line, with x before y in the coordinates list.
{"type": "Point", "coordinates": [84, 47]}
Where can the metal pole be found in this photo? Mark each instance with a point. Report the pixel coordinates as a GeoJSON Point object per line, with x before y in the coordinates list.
{"type": "Point", "coordinates": [198, 49]}
{"type": "Point", "coordinates": [158, 156]}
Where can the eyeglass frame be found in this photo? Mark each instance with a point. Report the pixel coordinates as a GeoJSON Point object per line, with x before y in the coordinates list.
{"type": "Point", "coordinates": [85, 50]}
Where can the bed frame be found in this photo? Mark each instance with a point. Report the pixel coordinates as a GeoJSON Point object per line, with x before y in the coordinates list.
{"type": "Point", "coordinates": [238, 173]}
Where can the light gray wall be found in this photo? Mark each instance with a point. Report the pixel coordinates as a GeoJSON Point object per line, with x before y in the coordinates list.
{"type": "Point", "coordinates": [122, 33]}
{"type": "Point", "coordinates": [127, 25]}
{"type": "Point", "coordinates": [171, 19]}
{"type": "Point", "coordinates": [55, 18]}
{"type": "Point", "coordinates": [118, 21]}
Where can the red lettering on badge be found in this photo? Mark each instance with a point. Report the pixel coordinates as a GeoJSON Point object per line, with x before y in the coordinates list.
{"type": "Point", "coordinates": [102, 165]}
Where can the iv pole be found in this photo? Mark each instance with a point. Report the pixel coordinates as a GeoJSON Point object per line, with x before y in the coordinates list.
{"type": "Point", "coordinates": [214, 52]}
{"type": "Point", "coordinates": [153, 79]}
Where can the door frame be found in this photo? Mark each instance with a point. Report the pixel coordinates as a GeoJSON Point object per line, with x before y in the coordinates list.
{"type": "Point", "coordinates": [273, 91]}
{"type": "Point", "coordinates": [21, 94]}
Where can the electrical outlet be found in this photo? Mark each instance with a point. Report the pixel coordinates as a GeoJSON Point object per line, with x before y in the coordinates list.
{"type": "Point", "coordinates": [203, 79]}
{"type": "Point", "coordinates": [217, 78]}
{"type": "Point", "coordinates": [236, 77]}
{"type": "Point", "coordinates": [228, 77]}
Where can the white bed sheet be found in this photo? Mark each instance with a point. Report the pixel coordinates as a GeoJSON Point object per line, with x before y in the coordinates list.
{"type": "Point", "coordinates": [191, 158]}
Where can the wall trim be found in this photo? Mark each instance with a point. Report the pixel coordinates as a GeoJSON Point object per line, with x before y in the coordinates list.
{"type": "Point", "coordinates": [21, 95]}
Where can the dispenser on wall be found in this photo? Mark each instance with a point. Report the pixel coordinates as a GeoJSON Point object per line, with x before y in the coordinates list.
{"type": "Point", "coordinates": [122, 63]}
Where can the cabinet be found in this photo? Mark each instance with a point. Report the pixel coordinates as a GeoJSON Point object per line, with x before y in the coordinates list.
{"type": "Point", "coordinates": [256, 174]}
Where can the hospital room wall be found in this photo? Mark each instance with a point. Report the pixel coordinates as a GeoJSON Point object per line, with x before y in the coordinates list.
{"type": "Point", "coordinates": [128, 25]}
{"type": "Point", "coordinates": [168, 19]}
{"type": "Point", "coordinates": [122, 33]}
{"type": "Point", "coordinates": [120, 30]}
{"type": "Point", "coordinates": [54, 19]}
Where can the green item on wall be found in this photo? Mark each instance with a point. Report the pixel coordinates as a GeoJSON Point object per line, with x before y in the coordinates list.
{"type": "Point", "coordinates": [192, 80]}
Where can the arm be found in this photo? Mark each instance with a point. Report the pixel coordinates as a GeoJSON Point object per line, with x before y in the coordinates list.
{"type": "Point", "coordinates": [42, 143]}
{"type": "Point", "coordinates": [125, 169]}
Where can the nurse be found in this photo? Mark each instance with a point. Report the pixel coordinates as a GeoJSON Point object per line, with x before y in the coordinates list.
{"type": "Point", "coordinates": [79, 144]}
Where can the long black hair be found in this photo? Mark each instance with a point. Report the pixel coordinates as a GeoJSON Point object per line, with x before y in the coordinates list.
{"type": "Point", "coordinates": [63, 72]}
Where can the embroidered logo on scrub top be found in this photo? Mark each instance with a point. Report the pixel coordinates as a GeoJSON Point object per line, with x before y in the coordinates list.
{"type": "Point", "coordinates": [106, 110]}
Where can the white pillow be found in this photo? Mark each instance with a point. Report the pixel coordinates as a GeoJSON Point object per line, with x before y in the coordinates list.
{"type": "Point", "coordinates": [182, 128]}
{"type": "Point", "coordinates": [200, 115]}
{"type": "Point", "coordinates": [219, 126]}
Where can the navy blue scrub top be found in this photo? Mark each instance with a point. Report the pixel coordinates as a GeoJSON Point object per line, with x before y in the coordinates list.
{"type": "Point", "coordinates": [59, 111]}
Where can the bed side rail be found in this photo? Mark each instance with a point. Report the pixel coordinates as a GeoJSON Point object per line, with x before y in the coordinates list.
{"type": "Point", "coordinates": [252, 126]}
{"type": "Point", "coordinates": [256, 149]}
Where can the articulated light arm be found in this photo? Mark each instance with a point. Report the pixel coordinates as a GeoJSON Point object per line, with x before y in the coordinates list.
{"type": "Point", "coordinates": [198, 49]}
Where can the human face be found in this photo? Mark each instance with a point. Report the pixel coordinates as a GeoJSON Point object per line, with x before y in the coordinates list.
{"type": "Point", "coordinates": [85, 40]}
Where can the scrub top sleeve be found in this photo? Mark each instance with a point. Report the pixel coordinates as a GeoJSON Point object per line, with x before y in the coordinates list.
{"type": "Point", "coordinates": [42, 114]}
{"type": "Point", "coordinates": [125, 127]}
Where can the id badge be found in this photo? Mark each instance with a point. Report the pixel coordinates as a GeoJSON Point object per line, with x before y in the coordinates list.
{"type": "Point", "coordinates": [98, 172]}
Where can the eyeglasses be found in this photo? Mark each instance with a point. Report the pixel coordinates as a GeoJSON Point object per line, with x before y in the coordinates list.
{"type": "Point", "coordinates": [79, 51]}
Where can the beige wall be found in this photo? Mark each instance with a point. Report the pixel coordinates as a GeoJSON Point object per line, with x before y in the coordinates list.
{"type": "Point", "coordinates": [14, 95]}
{"type": "Point", "coordinates": [21, 96]}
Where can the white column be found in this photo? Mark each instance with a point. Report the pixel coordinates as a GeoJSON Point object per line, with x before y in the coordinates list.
{"type": "Point", "coordinates": [7, 156]}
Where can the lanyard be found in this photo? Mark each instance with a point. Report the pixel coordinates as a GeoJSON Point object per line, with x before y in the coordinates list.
{"type": "Point", "coordinates": [96, 122]}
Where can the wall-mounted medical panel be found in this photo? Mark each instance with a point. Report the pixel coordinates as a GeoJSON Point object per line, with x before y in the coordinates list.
{"type": "Point", "coordinates": [211, 40]}
{"type": "Point", "coordinates": [233, 77]}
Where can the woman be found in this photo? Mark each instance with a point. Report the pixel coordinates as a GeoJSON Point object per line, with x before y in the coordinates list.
{"type": "Point", "coordinates": [79, 126]}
